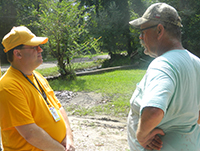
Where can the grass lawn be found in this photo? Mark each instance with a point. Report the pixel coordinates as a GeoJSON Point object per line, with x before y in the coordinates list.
{"type": "Point", "coordinates": [117, 85]}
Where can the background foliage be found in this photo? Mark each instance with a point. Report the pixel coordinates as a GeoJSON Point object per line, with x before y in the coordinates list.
{"type": "Point", "coordinates": [64, 24]}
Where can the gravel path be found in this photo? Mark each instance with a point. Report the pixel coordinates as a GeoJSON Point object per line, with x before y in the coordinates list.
{"type": "Point", "coordinates": [94, 133]}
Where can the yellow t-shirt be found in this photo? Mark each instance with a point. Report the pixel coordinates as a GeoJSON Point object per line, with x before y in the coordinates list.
{"type": "Point", "coordinates": [21, 104]}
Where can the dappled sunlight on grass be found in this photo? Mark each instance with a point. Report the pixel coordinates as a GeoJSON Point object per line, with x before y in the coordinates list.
{"type": "Point", "coordinates": [115, 82]}
{"type": "Point", "coordinates": [117, 85]}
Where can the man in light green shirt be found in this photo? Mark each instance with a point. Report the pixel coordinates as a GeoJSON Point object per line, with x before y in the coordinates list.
{"type": "Point", "coordinates": [165, 105]}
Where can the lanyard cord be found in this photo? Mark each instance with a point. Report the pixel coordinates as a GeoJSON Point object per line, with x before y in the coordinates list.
{"type": "Point", "coordinates": [42, 93]}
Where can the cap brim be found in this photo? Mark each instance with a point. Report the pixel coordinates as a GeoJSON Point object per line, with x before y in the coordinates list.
{"type": "Point", "coordinates": [138, 22]}
{"type": "Point", "coordinates": [36, 41]}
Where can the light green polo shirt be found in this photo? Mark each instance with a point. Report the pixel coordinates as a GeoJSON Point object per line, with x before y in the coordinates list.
{"type": "Point", "coordinates": [171, 83]}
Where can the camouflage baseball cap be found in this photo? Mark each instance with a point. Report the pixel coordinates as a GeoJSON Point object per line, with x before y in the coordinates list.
{"type": "Point", "coordinates": [158, 12]}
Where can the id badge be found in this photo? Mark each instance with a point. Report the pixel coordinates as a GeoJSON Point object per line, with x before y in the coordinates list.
{"type": "Point", "coordinates": [54, 114]}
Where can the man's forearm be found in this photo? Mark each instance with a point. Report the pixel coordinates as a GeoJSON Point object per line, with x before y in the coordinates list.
{"type": "Point", "coordinates": [150, 118]}
{"type": "Point", "coordinates": [68, 141]}
{"type": "Point", "coordinates": [147, 132]}
{"type": "Point", "coordinates": [39, 138]}
{"type": "Point", "coordinates": [199, 118]}
{"type": "Point", "coordinates": [69, 131]}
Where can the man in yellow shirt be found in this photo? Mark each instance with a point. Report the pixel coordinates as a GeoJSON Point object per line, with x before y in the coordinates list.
{"type": "Point", "coordinates": [31, 117]}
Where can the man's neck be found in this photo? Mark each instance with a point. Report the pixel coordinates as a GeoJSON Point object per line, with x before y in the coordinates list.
{"type": "Point", "coordinates": [170, 45]}
{"type": "Point", "coordinates": [23, 70]}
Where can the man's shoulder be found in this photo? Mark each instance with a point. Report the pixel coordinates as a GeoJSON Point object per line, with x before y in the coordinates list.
{"type": "Point", "coordinates": [176, 62]}
{"type": "Point", "coordinates": [38, 75]}
{"type": "Point", "coordinates": [41, 78]}
{"type": "Point", "coordinates": [173, 57]}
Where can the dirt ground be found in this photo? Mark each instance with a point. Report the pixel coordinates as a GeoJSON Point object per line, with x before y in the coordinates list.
{"type": "Point", "coordinates": [95, 133]}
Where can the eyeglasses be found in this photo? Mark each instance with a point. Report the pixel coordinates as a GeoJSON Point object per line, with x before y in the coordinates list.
{"type": "Point", "coordinates": [35, 48]}
{"type": "Point", "coordinates": [141, 30]}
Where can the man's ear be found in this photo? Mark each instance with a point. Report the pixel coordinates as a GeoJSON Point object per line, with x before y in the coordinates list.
{"type": "Point", "coordinates": [160, 31]}
{"type": "Point", "coordinates": [17, 53]}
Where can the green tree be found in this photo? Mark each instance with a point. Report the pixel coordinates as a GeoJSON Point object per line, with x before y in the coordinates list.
{"type": "Point", "coordinates": [25, 11]}
{"type": "Point", "coordinates": [8, 20]}
{"type": "Point", "coordinates": [15, 13]}
{"type": "Point", "coordinates": [110, 20]}
{"type": "Point", "coordinates": [190, 14]}
{"type": "Point", "coordinates": [138, 6]}
{"type": "Point", "coordinates": [64, 23]}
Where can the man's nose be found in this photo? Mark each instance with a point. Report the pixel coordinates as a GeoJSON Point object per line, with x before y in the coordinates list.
{"type": "Point", "coordinates": [39, 49]}
{"type": "Point", "coordinates": [141, 36]}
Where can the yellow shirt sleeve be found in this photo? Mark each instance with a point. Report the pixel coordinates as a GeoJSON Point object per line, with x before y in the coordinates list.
{"type": "Point", "coordinates": [17, 113]}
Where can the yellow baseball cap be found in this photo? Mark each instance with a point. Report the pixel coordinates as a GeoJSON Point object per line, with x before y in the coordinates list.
{"type": "Point", "coordinates": [21, 35]}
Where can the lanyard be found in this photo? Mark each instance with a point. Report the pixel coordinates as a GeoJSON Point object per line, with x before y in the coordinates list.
{"type": "Point", "coordinates": [42, 93]}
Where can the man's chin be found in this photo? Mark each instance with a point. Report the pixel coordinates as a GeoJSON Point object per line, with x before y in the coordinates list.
{"type": "Point", "coordinates": [149, 54]}
{"type": "Point", "coordinates": [146, 52]}
{"type": "Point", "coordinates": [40, 62]}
